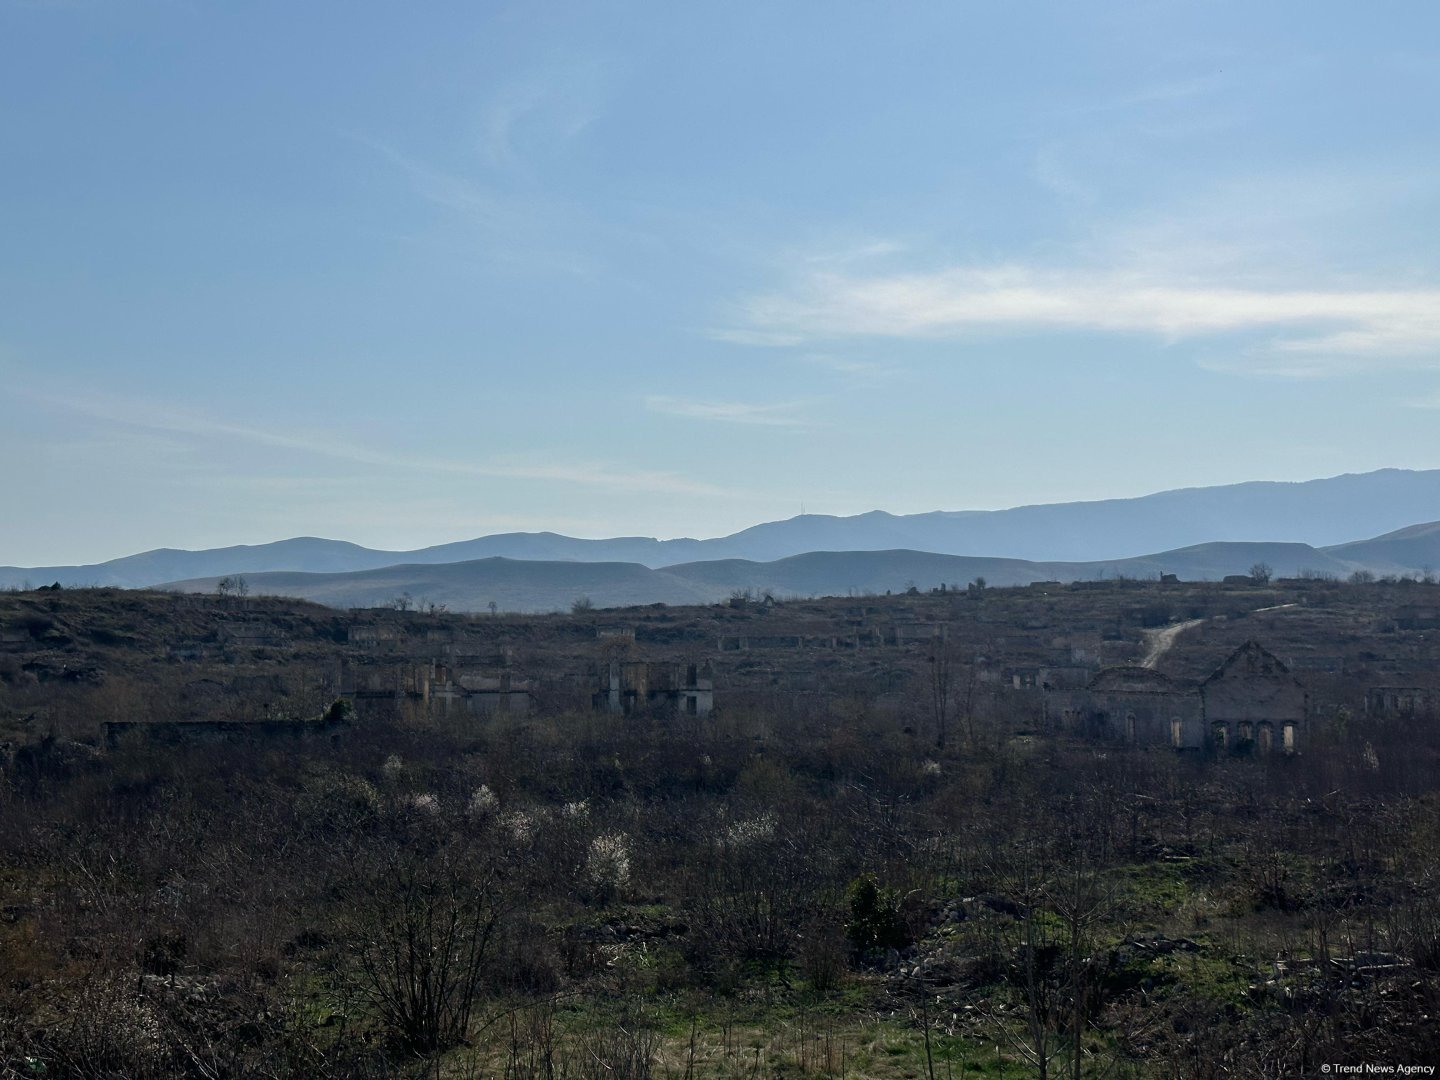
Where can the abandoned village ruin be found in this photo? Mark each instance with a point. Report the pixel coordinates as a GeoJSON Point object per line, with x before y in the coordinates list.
{"type": "Point", "coordinates": [1239, 675]}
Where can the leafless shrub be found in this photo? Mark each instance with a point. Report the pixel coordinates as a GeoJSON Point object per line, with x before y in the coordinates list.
{"type": "Point", "coordinates": [420, 926]}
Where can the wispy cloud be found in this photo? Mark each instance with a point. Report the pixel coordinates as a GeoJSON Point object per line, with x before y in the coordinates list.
{"type": "Point", "coordinates": [179, 420]}
{"type": "Point", "coordinates": [472, 200]}
{"type": "Point", "coordinates": [1156, 93]}
{"type": "Point", "coordinates": [542, 112]}
{"type": "Point", "coordinates": [498, 181]}
{"type": "Point", "coordinates": [849, 370]}
{"type": "Point", "coordinates": [1431, 401]}
{"type": "Point", "coordinates": [729, 412]}
{"type": "Point", "coordinates": [1317, 331]}
{"type": "Point", "coordinates": [523, 228]}
{"type": "Point", "coordinates": [843, 365]}
{"type": "Point", "coordinates": [739, 335]}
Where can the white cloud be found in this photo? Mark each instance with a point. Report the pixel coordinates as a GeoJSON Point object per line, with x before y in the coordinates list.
{"type": "Point", "coordinates": [729, 412]}
{"type": "Point", "coordinates": [1319, 331]}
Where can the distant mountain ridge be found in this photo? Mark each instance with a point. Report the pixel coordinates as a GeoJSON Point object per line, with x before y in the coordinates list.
{"type": "Point", "coordinates": [1330, 511]}
{"type": "Point", "coordinates": [535, 585]}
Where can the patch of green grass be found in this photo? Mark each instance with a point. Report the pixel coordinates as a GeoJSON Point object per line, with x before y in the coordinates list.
{"type": "Point", "coordinates": [1203, 974]}
{"type": "Point", "coordinates": [792, 1036]}
{"type": "Point", "coordinates": [1151, 891]}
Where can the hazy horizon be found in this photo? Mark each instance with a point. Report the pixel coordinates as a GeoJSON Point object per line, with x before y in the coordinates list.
{"type": "Point", "coordinates": [441, 542]}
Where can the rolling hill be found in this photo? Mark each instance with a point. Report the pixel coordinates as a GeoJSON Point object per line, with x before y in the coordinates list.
{"type": "Point", "coordinates": [1331, 512]}
{"type": "Point", "coordinates": [1405, 550]}
{"type": "Point", "coordinates": [536, 585]}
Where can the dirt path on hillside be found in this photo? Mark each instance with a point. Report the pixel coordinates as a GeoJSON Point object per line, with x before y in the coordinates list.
{"type": "Point", "coordinates": [1158, 642]}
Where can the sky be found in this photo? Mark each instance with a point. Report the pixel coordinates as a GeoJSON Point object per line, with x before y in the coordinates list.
{"type": "Point", "coordinates": [403, 273]}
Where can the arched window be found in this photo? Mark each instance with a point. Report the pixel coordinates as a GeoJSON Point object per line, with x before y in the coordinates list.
{"type": "Point", "coordinates": [1220, 732]}
{"type": "Point", "coordinates": [1130, 727]}
{"type": "Point", "coordinates": [1267, 738]}
{"type": "Point", "coordinates": [1287, 735]}
{"type": "Point", "coordinates": [1177, 732]}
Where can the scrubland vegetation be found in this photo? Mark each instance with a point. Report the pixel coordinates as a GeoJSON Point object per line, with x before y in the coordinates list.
{"type": "Point", "coordinates": [813, 889]}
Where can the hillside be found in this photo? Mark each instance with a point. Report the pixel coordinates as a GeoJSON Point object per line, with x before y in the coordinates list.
{"type": "Point", "coordinates": [174, 764]}
{"type": "Point", "coordinates": [1413, 548]}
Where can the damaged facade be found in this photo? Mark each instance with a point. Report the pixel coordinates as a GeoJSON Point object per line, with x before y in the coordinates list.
{"type": "Point", "coordinates": [1251, 701]}
{"type": "Point", "coordinates": [1402, 702]}
{"type": "Point", "coordinates": [631, 686]}
{"type": "Point", "coordinates": [438, 686]}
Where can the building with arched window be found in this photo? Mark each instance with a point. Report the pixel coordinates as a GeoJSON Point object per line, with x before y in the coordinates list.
{"type": "Point", "coordinates": [1250, 702]}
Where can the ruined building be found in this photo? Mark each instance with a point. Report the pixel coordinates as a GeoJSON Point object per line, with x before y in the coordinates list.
{"type": "Point", "coordinates": [1403, 702]}
{"type": "Point", "coordinates": [631, 686]}
{"type": "Point", "coordinates": [437, 687]}
{"type": "Point", "coordinates": [1251, 701]}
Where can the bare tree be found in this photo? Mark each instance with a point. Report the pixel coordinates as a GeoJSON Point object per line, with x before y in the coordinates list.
{"type": "Point", "coordinates": [951, 687]}
{"type": "Point", "coordinates": [1059, 905]}
{"type": "Point", "coordinates": [233, 585]}
{"type": "Point", "coordinates": [1032, 978]}
{"type": "Point", "coordinates": [939, 658]}
{"type": "Point", "coordinates": [421, 926]}
{"type": "Point", "coordinates": [1082, 900]}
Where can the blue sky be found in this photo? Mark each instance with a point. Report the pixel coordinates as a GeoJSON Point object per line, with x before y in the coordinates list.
{"type": "Point", "coordinates": [404, 274]}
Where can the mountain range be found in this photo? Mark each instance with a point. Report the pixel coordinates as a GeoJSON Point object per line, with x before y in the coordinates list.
{"type": "Point", "coordinates": [540, 585]}
{"type": "Point", "coordinates": [1327, 514]}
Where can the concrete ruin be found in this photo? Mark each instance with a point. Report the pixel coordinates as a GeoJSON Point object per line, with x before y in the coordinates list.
{"type": "Point", "coordinates": [437, 686]}
{"type": "Point", "coordinates": [634, 686]}
{"type": "Point", "coordinates": [481, 694]}
{"type": "Point", "coordinates": [1403, 702]}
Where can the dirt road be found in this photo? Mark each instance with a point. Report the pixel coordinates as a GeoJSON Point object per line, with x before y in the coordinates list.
{"type": "Point", "coordinates": [1158, 642]}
